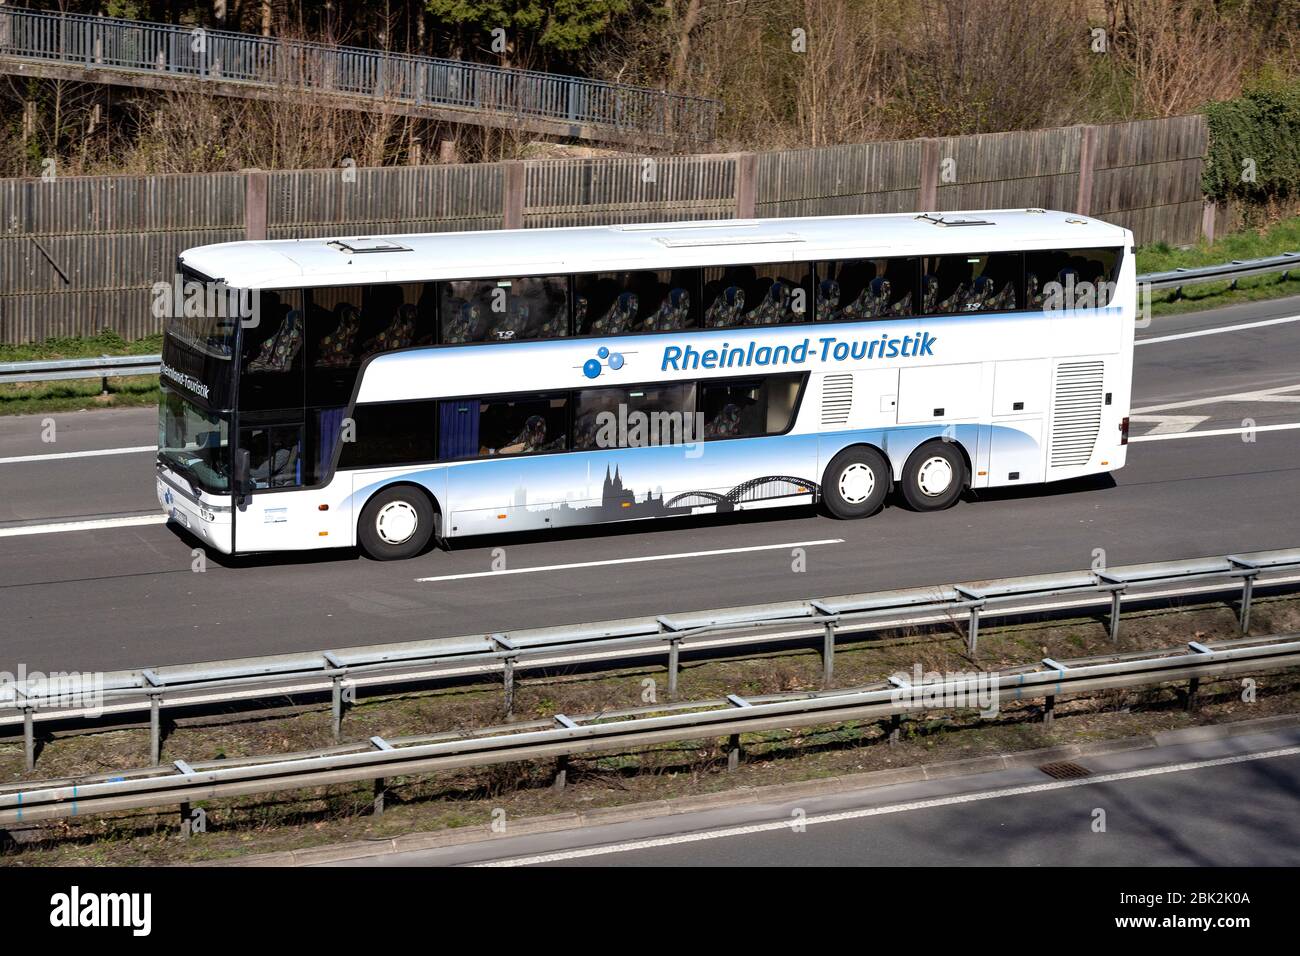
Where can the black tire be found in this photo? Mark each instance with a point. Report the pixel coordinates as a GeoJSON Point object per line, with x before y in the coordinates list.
{"type": "Point", "coordinates": [388, 515]}
{"type": "Point", "coordinates": [925, 474]}
{"type": "Point", "coordinates": [855, 483]}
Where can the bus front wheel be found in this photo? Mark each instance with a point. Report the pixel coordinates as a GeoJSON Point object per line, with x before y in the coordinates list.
{"type": "Point", "coordinates": [855, 483]}
{"type": "Point", "coordinates": [934, 476]}
{"type": "Point", "coordinates": [396, 523]}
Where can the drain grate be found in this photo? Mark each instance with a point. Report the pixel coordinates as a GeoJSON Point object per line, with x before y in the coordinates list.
{"type": "Point", "coordinates": [1065, 770]}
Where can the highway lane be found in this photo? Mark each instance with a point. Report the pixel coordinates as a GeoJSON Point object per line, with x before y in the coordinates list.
{"type": "Point", "coordinates": [1191, 802]}
{"type": "Point", "coordinates": [127, 596]}
{"type": "Point", "coordinates": [70, 488]}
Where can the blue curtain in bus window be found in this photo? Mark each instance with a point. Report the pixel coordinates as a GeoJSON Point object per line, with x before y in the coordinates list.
{"type": "Point", "coordinates": [458, 429]}
{"type": "Point", "coordinates": [329, 422]}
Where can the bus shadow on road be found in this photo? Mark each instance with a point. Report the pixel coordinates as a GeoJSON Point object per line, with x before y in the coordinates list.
{"type": "Point", "coordinates": [1071, 486]}
{"type": "Point", "coordinates": [663, 529]}
{"type": "Point", "coordinates": [264, 559]}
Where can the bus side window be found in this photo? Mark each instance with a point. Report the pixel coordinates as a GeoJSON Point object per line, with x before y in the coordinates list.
{"type": "Point", "coordinates": [859, 289]}
{"type": "Point", "coordinates": [504, 310]}
{"type": "Point", "coordinates": [750, 408]}
{"type": "Point", "coordinates": [975, 282]}
{"type": "Point", "coordinates": [1070, 278]}
{"type": "Point", "coordinates": [739, 296]}
{"type": "Point", "coordinates": [617, 303]}
{"type": "Point", "coordinates": [633, 416]}
{"type": "Point", "coordinates": [484, 428]}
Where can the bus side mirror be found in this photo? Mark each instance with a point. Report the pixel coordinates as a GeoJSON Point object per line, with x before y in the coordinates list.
{"type": "Point", "coordinates": [243, 465]}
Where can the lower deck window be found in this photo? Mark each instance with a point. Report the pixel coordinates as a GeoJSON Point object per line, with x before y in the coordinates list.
{"type": "Point", "coordinates": [485, 428]}
{"type": "Point", "coordinates": [388, 433]}
{"type": "Point", "coordinates": [744, 409]}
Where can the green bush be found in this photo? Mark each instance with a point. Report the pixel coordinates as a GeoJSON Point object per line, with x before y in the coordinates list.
{"type": "Point", "coordinates": [1262, 126]}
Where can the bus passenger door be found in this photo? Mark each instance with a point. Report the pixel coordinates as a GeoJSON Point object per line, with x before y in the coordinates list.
{"type": "Point", "coordinates": [274, 517]}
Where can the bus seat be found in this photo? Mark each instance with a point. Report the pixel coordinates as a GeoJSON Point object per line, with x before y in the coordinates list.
{"type": "Point", "coordinates": [399, 334]}
{"type": "Point", "coordinates": [674, 313]}
{"type": "Point", "coordinates": [465, 324]}
{"type": "Point", "coordinates": [1033, 291]}
{"type": "Point", "coordinates": [278, 352]}
{"type": "Point", "coordinates": [619, 316]}
{"type": "Point", "coordinates": [726, 309]}
{"type": "Point", "coordinates": [828, 300]}
{"type": "Point", "coordinates": [336, 349]}
{"type": "Point", "coordinates": [929, 293]}
{"type": "Point", "coordinates": [775, 307]}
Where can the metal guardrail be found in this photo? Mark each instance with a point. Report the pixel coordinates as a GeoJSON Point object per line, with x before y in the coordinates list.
{"type": "Point", "coordinates": [223, 685]}
{"type": "Point", "coordinates": [574, 106]}
{"type": "Point", "coordinates": [148, 364]}
{"type": "Point", "coordinates": [1230, 271]}
{"type": "Point", "coordinates": [563, 736]}
{"type": "Point", "coordinates": [103, 368]}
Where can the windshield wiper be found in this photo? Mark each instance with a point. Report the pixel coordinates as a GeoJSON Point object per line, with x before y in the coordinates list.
{"type": "Point", "coordinates": [185, 470]}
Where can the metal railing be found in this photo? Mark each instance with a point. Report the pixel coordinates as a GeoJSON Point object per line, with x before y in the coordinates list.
{"type": "Point", "coordinates": [563, 736]}
{"type": "Point", "coordinates": [341, 673]}
{"type": "Point", "coordinates": [1231, 272]}
{"type": "Point", "coordinates": [148, 364]}
{"type": "Point", "coordinates": [575, 106]}
{"type": "Point", "coordinates": [103, 368]}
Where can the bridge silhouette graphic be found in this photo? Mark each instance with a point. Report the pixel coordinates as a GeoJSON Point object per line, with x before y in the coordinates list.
{"type": "Point", "coordinates": [755, 489]}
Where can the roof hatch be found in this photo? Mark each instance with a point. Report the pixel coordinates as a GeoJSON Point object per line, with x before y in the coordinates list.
{"type": "Point", "coordinates": [366, 244]}
{"type": "Point", "coordinates": [940, 221]}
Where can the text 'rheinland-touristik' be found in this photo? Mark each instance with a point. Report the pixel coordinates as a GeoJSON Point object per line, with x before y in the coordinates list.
{"type": "Point", "coordinates": [827, 349]}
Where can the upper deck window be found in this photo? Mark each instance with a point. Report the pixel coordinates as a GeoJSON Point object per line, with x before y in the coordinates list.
{"type": "Point", "coordinates": [1071, 278]}
{"type": "Point", "coordinates": [204, 314]}
{"type": "Point", "coordinates": [616, 303]}
{"type": "Point", "coordinates": [971, 282]}
{"type": "Point", "coordinates": [750, 295]}
{"type": "Point", "coordinates": [856, 289]}
{"type": "Point", "coordinates": [504, 310]}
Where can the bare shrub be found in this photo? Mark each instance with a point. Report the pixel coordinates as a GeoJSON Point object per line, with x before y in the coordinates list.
{"type": "Point", "coordinates": [1181, 54]}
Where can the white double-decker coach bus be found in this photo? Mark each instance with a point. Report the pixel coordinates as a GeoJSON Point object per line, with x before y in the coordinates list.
{"type": "Point", "coordinates": [389, 392]}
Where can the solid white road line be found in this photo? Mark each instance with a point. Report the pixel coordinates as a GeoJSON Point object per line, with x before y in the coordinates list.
{"type": "Point", "coordinates": [136, 450]}
{"type": "Point", "coordinates": [1226, 328]}
{"type": "Point", "coordinates": [1212, 432]}
{"type": "Point", "coordinates": [777, 825]}
{"type": "Point", "coordinates": [638, 560]}
{"type": "Point", "coordinates": [94, 524]}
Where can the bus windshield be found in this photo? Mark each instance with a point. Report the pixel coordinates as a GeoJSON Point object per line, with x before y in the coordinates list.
{"type": "Point", "coordinates": [194, 442]}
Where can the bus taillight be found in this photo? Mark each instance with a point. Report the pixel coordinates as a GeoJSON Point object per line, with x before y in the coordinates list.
{"type": "Point", "coordinates": [1123, 431]}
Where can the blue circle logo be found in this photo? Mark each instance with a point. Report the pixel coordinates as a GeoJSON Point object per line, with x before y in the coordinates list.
{"type": "Point", "coordinates": [594, 366]}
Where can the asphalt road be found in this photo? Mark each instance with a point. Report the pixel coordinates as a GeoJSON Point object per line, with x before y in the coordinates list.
{"type": "Point", "coordinates": [1226, 802]}
{"type": "Point", "coordinates": [126, 596]}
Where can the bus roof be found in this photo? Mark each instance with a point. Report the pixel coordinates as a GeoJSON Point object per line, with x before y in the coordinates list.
{"type": "Point", "coordinates": [291, 263]}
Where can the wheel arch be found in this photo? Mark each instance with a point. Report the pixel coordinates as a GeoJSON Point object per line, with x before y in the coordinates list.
{"type": "Point", "coordinates": [870, 446]}
{"type": "Point", "coordinates": [402, 483]}
{"type": "Point", "coordinates": [969, 475]}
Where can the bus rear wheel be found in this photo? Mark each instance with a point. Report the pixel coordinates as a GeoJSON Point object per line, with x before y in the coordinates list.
{"type": "Point", "coordinates": [934, 476]}
{"type": "Point", "coordinates": [396, 523]}
{"type": "Point", "coordinates": [855, 483]}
